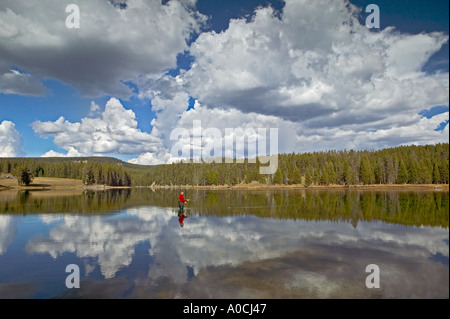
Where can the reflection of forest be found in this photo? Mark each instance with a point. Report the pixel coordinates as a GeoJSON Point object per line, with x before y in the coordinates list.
{"type": "Point", "coordinates": [407, 208]}
{"type": "Point", "coordinates": [30, 202]}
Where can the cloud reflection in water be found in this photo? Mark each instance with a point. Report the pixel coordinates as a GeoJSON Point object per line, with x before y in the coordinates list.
{"type": "Point", "coordinates": [250, 257]}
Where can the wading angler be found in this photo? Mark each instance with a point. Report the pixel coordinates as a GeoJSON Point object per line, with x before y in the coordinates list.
{"type": "Point", "coordinates": [210, 146]}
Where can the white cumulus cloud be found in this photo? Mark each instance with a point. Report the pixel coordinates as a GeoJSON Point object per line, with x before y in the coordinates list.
{"type": "Point", "coordinates": [114, 132]}
{"type": "Point", "coordinates": [315, 73]}
{"type": "Point", "coordinates": [10, 140]}
{"type": "Point", "coordinates": [312, 71]}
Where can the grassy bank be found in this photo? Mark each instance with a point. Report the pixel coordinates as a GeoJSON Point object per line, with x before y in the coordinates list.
{"type": "Point", "coordinates": [42, 183]}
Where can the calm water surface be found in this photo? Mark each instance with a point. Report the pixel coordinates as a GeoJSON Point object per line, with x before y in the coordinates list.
{"type": "Point", "coordinates": [233, 244]}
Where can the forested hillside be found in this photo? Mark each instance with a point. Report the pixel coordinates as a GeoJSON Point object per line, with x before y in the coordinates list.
{"type": "Point", "coordinates": [91, 170]}
{"type": "Point", "coordinates": [401, 165]}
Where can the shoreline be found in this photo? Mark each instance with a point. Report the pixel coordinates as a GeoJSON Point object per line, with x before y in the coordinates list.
{"type": "Point", "coordinates": [431, 187]}
{"type": "Point", "coordinates": [43, 183]}
{"type": "Point", "coordinates": [59, 187]}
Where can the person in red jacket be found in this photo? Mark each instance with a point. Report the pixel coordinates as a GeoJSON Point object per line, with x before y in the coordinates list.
{"type": "Point", "coordinates": [182, 200]}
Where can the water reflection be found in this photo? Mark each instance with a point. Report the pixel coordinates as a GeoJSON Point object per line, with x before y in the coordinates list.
{"type": "Point", "coordinates": [406, 208]}
{"type": "Point", "coordinates": [110, 241]}
{"type": "Point", "coordinates": [181, 217]}
{"type": "Point", "coordinates": [305, 259]}
{"type": "Point", "coordinates": [249, 250]}
{"type": "Point", "coordinates": [8, 231]}
{"type": "Point", "coordinates": [62, 201]}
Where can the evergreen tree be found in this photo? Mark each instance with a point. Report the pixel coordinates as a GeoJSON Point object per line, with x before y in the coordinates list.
{"type": "Point", "coordinates": [316, 176]}
{"type": "Point", "coordinates": [278, 177]}
{"type": "Point", "coordinates": [308, 178]}
{"type": "Point", "coordinates": [324, 177]}
{"type": "Point", "coordinates": [347, 174]}
{"type": "Point", "coordinates": [23, 175]}
{"type": "Point", "coordinates": [402, 176]}
{"type": "Point", "coordinates": [366, 174]}
{"type": "Point", "coordinates": [331, 173]}
{"type": "Point", "coordinates": [379, 172]}
{"type": "Point", "coordinates": [297, 176]}
{"type": "Point", "coordinates": [443, 171]}
{"type": "Point", "coordinates": [436, 174]}
{"type": "Point", "coordinates": [413, 173]}
{"type": "Point", "coordinates": [425, 172]}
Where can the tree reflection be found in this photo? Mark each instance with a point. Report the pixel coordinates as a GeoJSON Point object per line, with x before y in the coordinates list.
{"type": "Point", "coordinates": [400, 207]}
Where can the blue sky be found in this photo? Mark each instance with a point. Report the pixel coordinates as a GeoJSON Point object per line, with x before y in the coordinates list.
{"type": "Point", "coordinates": [133, 72]}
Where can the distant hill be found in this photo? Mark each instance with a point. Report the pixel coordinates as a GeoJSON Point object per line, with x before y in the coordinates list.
{"type": "Point", "coordinates": [83, 159]}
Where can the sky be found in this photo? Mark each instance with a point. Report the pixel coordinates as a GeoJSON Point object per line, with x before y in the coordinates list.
{"type": "Point", "coordinates": [133, 74]}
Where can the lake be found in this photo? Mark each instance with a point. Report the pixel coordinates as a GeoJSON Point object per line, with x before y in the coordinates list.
{"type": "Point", "coordinates": [273, 244]}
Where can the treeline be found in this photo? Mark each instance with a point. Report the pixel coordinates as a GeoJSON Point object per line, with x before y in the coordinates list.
{"type": "Point", "coordinates": [427, 164]}
{"type": "Point", "coordinates": [90, 172]}
{"type": "Point", "coordinates": [401, 165]}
